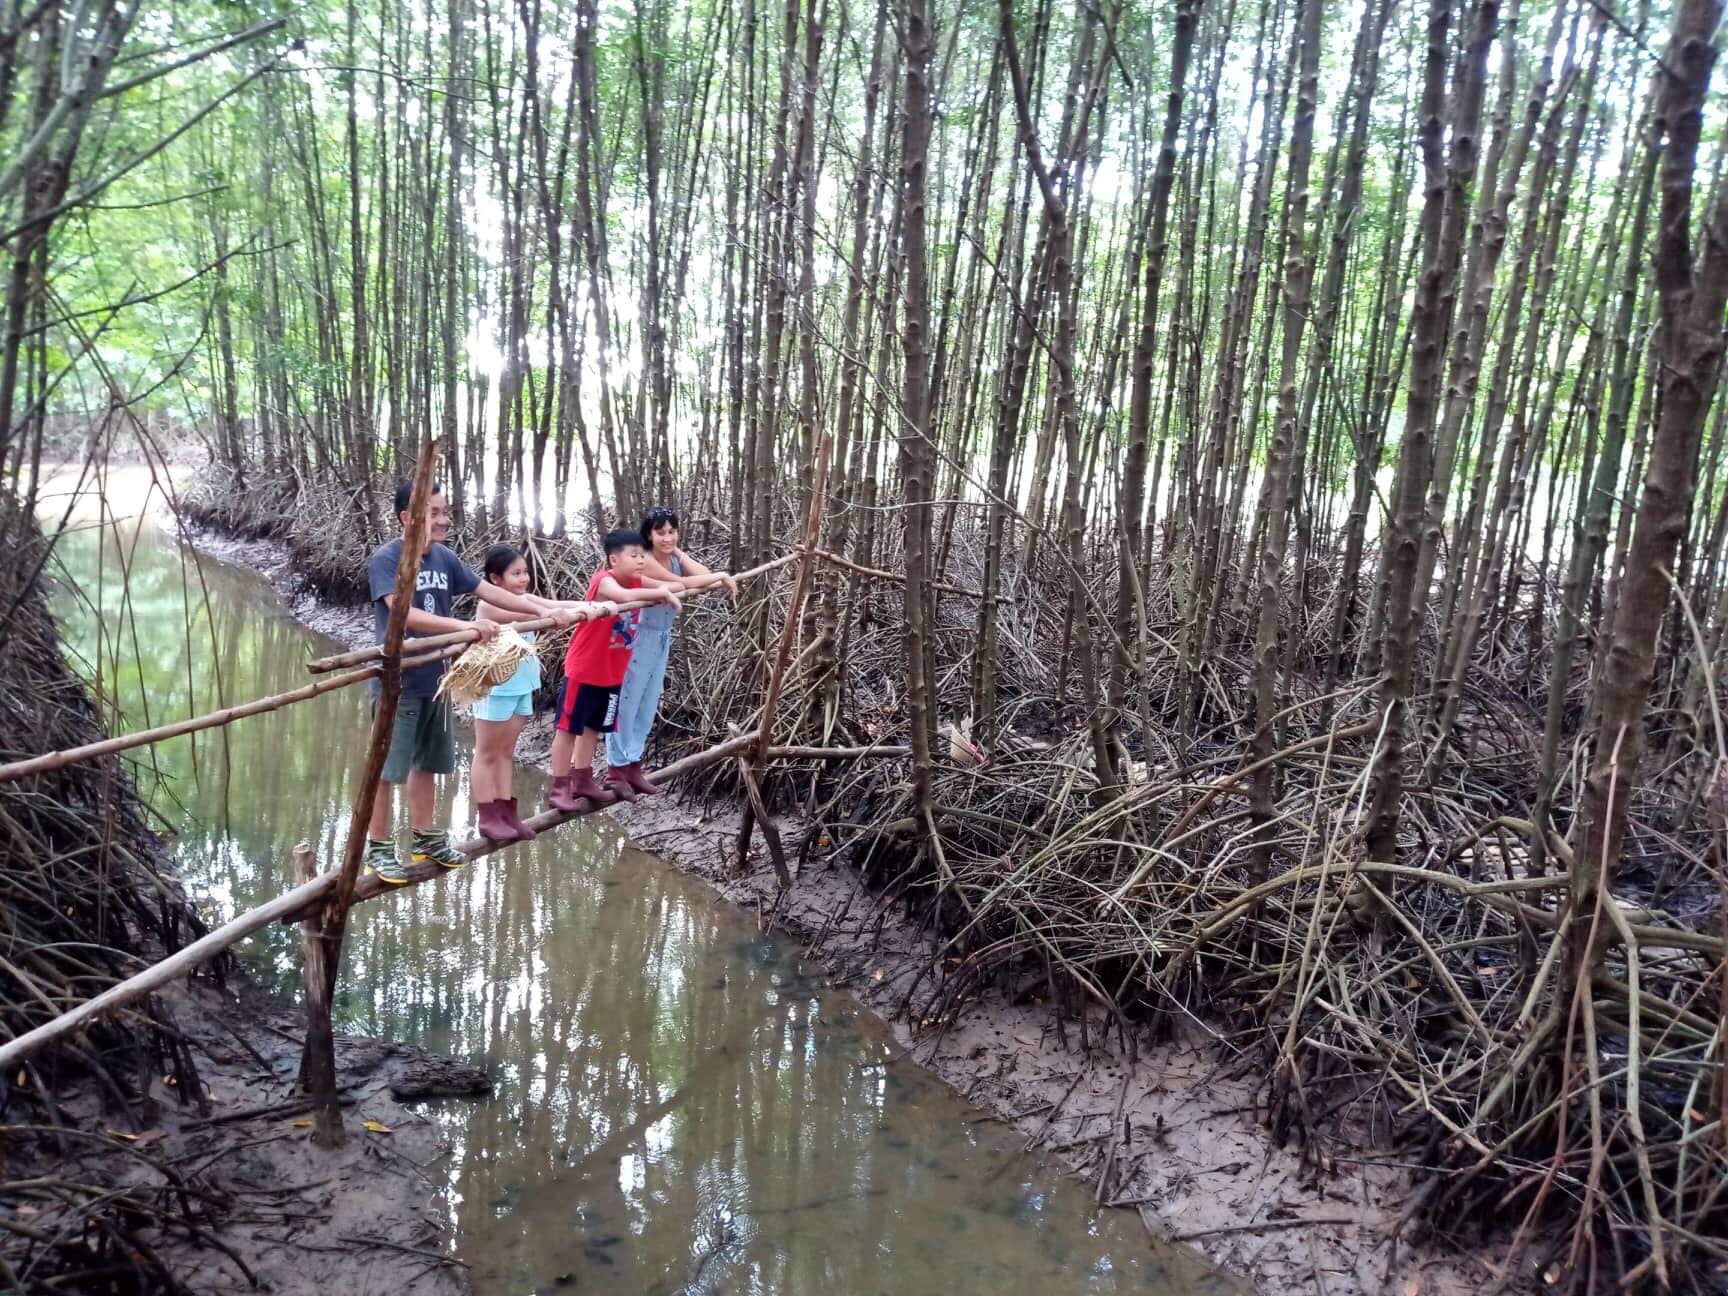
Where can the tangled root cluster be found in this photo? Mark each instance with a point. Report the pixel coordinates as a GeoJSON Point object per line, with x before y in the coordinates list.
{"type": "Point", "coordinates": [86, 899]}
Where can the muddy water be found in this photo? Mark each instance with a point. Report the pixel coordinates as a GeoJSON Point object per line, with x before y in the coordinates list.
{"type": "Point", "coordinates": [681, 1105]}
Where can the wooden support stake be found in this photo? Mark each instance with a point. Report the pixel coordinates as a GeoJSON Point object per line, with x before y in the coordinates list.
{"type": "Point", "coordinates": [318, 1067]}
{"type": "Point", "coordinates": [756, 807]}
{"type": "Point", "coordinates": [770, 834]}
{"type": "Point", "coordinates": [316, 976]}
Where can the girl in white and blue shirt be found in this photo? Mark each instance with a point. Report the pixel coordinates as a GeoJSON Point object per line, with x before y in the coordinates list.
{"type": "Point", "coordinates": [500, 715]}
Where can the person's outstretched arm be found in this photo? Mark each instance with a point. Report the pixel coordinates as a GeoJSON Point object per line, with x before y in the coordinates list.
{"type": "Point", "coordinates": [541, 607]}
{"type": "Point", "coordinates": [525, 606]}
{"type": "Point", "coordinates": [613, 592]}
{"type": "Point", "coordinates": [430, 623]}
{"type": "Point", "coordinates": [696, 577]}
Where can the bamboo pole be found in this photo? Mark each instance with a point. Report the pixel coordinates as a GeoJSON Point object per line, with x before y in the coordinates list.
{"type": "Point", "coordinates": [465, 637]}
{"type": "Point", "coordinates": [877, 573]}
{"type": "Point", "coordinates": [367, 664]}
{"type": "Point", "coordinates": [304, 900]}
{"type": "Point", "coordinates": [170, 969]}
{"type": "Point", "coordinates": [50, 761]}
{"type": "Point", "coordinates": [318, 1064]}
{"type": "Point", "coordinates": [370, 887]}
{"type": "Point", "coordinates": [829, 753]}
{"type": "Point", "coordinates": [460, 639]}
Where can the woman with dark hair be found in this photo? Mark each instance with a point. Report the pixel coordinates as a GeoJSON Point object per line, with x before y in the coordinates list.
{"type": "Point", "coordinates": [639, 698]}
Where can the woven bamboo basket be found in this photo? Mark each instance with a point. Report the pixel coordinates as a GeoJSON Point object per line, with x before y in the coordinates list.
{"type": "Point", "coordinates": [483, 667]}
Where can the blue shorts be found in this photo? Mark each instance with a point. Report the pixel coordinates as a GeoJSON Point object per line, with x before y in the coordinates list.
{"type": "Point", "coordinates": [501, 706]}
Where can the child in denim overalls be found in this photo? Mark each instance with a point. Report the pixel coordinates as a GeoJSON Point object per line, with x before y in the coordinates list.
{"type": "Point", "coordinates": [639, 698]}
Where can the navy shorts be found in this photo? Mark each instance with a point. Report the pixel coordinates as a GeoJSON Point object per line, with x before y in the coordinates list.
{"type": "Point", "coordinates": [420, 739]}
{"type": "Point", "coordinates": [587, 706]}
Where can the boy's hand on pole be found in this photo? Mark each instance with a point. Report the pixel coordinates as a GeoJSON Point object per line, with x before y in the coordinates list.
{"type": "Point", "coordinates": [487, 630]}
{"type": "Point", "coordinates": [730, 584]}
{"type": "Point", "coordinates": [563, 618]}
{"type": "Point", "coordinates": [673, 599]}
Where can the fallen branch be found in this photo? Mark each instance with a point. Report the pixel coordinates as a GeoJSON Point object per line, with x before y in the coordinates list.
{"type": "Point", "coordinates": [1263, 1226]}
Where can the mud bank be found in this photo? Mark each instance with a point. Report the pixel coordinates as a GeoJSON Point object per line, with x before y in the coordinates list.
{"type": "Point", "coordinates": [1175, 1134]}
{"type": "Point", "coordinates": [276, 1213]}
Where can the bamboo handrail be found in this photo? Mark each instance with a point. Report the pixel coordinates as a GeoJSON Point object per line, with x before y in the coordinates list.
{"type": "Point", "coordinates": [374, 652]}
{"type": "Point", "coordinates": [459, 638]}
{"type": "Point", "coordinates": [877, 573]}
{"type": "Point", "coordinates": [172, 968]}
{"type": "Point", "coordinates": [366, 664]}
{"type": "Point", "coordinates": [365, 661]}
{"type": "Point", "coordinates": [50, 761]}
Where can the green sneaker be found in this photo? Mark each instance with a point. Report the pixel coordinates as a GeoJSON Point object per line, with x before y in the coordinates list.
{"type": "Point", "coordinates": [381, 858]}
{"type": "Point", "coordinates": [436, 847]}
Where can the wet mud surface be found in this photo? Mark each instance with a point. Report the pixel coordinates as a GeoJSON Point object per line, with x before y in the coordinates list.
{"type": "Point", "coordinates": [279, 1213]}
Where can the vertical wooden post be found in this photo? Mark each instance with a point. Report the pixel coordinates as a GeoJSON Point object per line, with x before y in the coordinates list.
{"type": "Point", "coordinates": [314, 970]}
{"type": "Point", "coordinates": [755, 807]}
{"type": "Point", "coordinates": [318, 1063]}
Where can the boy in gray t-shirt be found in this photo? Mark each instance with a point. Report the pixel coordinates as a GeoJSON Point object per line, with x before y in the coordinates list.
{"type": "Point", "coordinates": [421, 746]}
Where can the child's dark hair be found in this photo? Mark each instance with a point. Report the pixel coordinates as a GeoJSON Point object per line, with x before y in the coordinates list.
{"type": "Point", "coordinates": [657, 517]}
{"type": "Point", "coordinates": [405, 494]}
{"type": "Point", "coordinates": [500, 559]}
{"type": "Point", "coordinates": [621, 539]}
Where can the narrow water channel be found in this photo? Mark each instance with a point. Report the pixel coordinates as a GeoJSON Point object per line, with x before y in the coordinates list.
{"type": "Point", "coordinates": [681, 1105]}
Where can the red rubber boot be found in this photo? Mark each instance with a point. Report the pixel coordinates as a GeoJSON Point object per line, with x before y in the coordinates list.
{"type": "Point", "coordinates": [507, 810]}
{"type": "Point", "coordinates": [583, 785]}
{"type": "Point", "coordinates": [562, 794]}
{"type": "Point", "coordinates": [637, 779]}
{"type": "Point", "coordinates": [618, 783]}
{"type": "Point", "coordinates": [494, 827]}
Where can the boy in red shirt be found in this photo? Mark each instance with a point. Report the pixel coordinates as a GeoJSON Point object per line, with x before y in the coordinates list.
{"type": "Point", "coordinates": [594, 667]}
